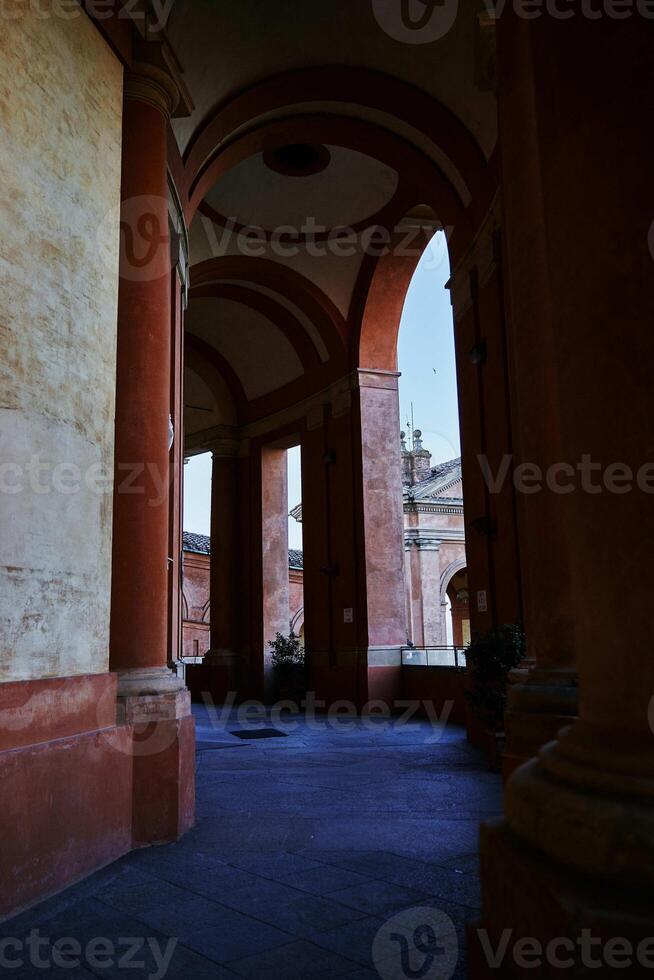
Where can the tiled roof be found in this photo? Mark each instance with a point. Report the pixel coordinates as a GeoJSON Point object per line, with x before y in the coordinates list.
{"type": "Point", "coordinates": [444, 482]}
{"type": "Point", "coordinates": [295, 559]}
{"type": "Point", "coordinates": [200, 544]}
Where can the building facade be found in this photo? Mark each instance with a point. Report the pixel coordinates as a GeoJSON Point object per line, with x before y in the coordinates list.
{"type": "Point", "coordinates": [435, 567]}
{"type": "Point", "coordinates": [196, 595]}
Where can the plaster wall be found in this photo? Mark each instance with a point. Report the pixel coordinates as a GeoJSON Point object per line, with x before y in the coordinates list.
{"type": "Point", "coordinates": [60, 151]}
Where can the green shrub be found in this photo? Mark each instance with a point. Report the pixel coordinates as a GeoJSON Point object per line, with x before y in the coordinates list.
{"type": "Point", "coordinates": [490, 657]}
{"type": "Point", "coordinates": [288, 666]}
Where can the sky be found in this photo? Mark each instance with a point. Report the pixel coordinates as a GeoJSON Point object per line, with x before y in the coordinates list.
{"type": "Point", "coordinates": [428, 382]}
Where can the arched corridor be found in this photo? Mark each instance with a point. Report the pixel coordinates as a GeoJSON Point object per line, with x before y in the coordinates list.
{"type": "Point", "coordinates": [211, 215]}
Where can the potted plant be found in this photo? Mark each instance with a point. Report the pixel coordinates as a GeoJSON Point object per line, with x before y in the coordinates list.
{"type": "Point", "coordinates": [288, 666]}
{"type": "Point", "coordinates": [490, 657]}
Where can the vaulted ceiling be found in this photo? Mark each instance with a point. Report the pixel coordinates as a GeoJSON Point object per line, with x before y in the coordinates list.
{"type": "Point", "coordinates": [312, 124]}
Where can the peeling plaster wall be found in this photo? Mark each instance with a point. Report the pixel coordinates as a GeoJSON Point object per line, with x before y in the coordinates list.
{"type": "Point", "coordinates": [60, 145]}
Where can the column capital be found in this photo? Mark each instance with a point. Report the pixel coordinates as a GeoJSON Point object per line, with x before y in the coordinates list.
{"type": "Point", "coordinates": [375, 378]}
{"type": "Point", "coordinates": [226, 444]}
{"type": "Point", "coordinates": [423, 539]}
{"type": "Point", "coordinates": [225, 449]}
{"type": "Point", "coordinates": [146, 83]}
{"type": "Point", "coordinates": [155, 77]}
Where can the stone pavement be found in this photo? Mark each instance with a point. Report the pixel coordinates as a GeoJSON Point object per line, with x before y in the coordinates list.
{"type": "Point", "coordinates": [305, 846]}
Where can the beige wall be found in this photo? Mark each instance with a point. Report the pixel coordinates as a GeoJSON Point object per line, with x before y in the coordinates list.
{"type": "Point", "coordinates": [60, 133]}
{"type": "Point", "coordinates": [442, 546]}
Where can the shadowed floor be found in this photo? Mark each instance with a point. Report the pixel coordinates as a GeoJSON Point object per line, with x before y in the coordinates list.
{"type": "Point", "coordinates": [305, 846]}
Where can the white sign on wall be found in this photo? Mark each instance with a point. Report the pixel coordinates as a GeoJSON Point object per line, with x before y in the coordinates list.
{"type": "Point", "coordinates": [482, 601]}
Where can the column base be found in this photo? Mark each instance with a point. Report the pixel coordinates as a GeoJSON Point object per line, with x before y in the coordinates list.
{"type": "Point", "coordinates": [540, 704]}
{"type": "Point", "coordinates": [587, 802]}
{"type": "Point", "coordinates": [148, 681]}
{"type": "Point", "coordinates": [163, 752]}
{"type": "Point", "coordinates": [220, 657]}
{"type": "Point", "coordinates": [527, 896]}
{"type": "Point", "coordinates": [216, 679]}
{"type": "Point", "coordinates": [66, 777]}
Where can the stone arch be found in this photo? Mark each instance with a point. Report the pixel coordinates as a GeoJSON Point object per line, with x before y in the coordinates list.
{"type": "Point", "coordinates": [297, 621]}
{"type": "Point", "coordinates": [358, 91]}
{"type": "Point", "coordinates": [446, 577]}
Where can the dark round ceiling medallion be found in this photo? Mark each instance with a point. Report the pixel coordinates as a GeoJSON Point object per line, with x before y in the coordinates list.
{"type": "Point", "coordinates": [298, 159]}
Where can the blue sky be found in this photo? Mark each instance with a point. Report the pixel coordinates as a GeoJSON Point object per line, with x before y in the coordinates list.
{"type": "Point", "coordinates": [426, 360]}
{"type": "Point", "coordinates": [426, 356]}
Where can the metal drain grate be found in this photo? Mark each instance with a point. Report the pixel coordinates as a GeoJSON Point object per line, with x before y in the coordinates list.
{"type": "Point", "coordinates": [259, 733]}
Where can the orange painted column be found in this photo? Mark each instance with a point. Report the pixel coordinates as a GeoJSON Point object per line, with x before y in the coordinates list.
{"type": "Point", "coordinates": [600, 268]}
{"type": "Point", "coordinates": [543, 696]}
{"type": "Point", "coordinates": [354, 584]}
{"type": "Point", "coordinates": [577, 844]}
{"type": "Point", "coordinates": [139, 607]}
{"type": "Point", "coordinates": [152, 700]}
{"type": "Point", "coordinates": [175, 529]}
{"type": "Point", "coordinates": [383, 519]}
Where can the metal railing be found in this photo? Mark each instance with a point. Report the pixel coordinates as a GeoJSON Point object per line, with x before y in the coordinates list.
{"type": "Point", "coordinates": [433, 657]}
